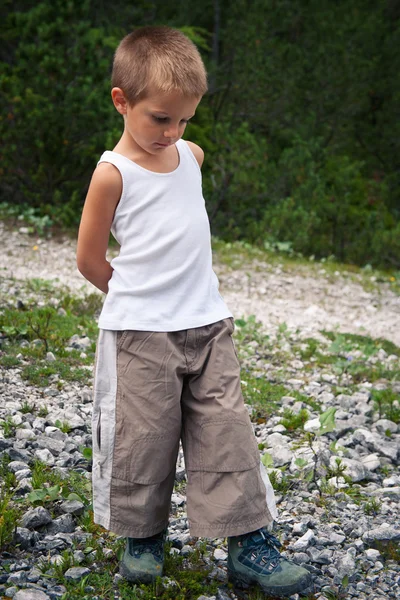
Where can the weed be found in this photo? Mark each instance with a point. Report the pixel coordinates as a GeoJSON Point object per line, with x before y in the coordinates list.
{"type": "Point", "coordinates": [372, 507]}
{"type": "Point", "coordinates": [281, 484]}
{"type": "Point", "coordinates": [43, 412]}
{"type": "Point", "coordinates": [292, 421]}
{"type": "Point", "coordinates": [64, 426]}
{"type": "Point", "coordinates": [389, 550]}
{"type": "Point", "coordinates": [8, 513]}
{"type": "Point", "coordinates": [386, 403]}
{"type": "Point", "coordinates": [27, 408]}
{"type": "Point", "coordinates": [338, 471]}
{"type": "Point", "coordinates": [8, 427]}
{"type": "Point", "coordinates": [8, 517]}
{"type": "Point", "coordinates": [43, 475]}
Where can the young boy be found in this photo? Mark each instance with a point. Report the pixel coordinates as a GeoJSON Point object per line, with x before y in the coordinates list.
{"type": "Point", "coordinates": [166, 368]}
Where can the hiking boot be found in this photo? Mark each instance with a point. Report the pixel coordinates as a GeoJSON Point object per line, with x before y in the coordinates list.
{"type": "Point", "coordinates": [254, 558]}
{"type": "Point", "coordinates": [143, 559]}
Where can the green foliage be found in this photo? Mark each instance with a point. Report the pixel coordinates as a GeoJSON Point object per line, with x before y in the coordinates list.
{"type": "Point", "coordinates": [372, 507]}
{"type": "Point", "coordinates": [9, 514]}
{"type": "Point", "coordinates": [47, 330]}
{"type": "Point", "coordinates": [386, 402]}
{"type": "Point", "coordinates": [293, 421]}
{"type": "Point", "coordinates": [301, 144]}
{"type": "Point", "coordinates": [55, 85]}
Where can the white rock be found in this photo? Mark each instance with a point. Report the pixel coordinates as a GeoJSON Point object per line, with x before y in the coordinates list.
{"type": "Point", "coordinates": [306, 540]}
{"type": "Point", "coordinates": [373, 554]}
{"type": "Point", "coordinates": [220, 554]}
{"type": "Point", "coordinates": [281, 455]}
{"type": "Point", "coordinates": [24, 434]}
{"type": "Point", "coordinates": [312, 425]}
{"type": "Point", "coordinates": [45, 456]}
{"type": "Point", "coordinates": [371, 462]}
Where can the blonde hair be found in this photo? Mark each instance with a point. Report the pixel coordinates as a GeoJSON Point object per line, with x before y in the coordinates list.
{"type": "Point", "coordinates": [161, 58]}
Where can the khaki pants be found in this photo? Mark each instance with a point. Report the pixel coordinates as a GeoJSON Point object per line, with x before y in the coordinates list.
{"type": "Point", "coordinates": [153, 389]}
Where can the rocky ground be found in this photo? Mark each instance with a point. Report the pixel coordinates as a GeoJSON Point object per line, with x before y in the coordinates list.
{"type": "Point", "coordinates": [325, 410]}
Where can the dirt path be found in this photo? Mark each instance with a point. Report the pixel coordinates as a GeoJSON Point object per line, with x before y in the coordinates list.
{"type": "Point", "coordinates": [309, 300]}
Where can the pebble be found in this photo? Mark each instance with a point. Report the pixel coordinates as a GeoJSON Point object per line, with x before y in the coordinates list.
{"type": "Point", "coordinates": [333, 540]}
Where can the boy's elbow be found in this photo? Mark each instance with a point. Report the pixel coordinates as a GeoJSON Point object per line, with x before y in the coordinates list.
{"type": "Point", "coordinates": [84, 266]}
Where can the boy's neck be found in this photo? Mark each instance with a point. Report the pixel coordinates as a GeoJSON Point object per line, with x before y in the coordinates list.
{"type": "Point", "coordinates": [164, 162]}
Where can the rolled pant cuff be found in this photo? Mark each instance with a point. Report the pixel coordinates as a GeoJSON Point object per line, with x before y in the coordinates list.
{"type": "Point", "coordinates": [230, 529]}
{"type": "Point", "coordinates": [128, 531]}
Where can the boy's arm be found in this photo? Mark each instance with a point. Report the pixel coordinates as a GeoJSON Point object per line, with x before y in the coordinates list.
{"type": "Point", "coordinates": [101, 201]}
{"type": "Point", "coordinates": [197, 151]}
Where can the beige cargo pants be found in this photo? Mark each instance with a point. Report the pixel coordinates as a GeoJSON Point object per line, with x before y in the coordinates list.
{"type": "Point", "coordinates": [153, 389]}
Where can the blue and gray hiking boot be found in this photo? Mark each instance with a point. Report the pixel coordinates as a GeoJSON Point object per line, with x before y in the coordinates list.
{"type": "Point", "coordinates": [254, 558]}
{"type": "Point", "coordinates": [143, 559]}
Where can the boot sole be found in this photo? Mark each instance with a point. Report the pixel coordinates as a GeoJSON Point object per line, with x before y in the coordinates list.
{"type": "Point", "coordinates": [240, 581]}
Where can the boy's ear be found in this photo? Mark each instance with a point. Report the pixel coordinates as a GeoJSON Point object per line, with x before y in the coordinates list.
{"type": "Point", "coordinates": [119, 100]}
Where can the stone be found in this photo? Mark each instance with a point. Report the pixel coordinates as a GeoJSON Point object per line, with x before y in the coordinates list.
{"type": "Point", "coordinates": [299, 528]}
{"type": "Point", "coordinates": [371, 462]}
{"type": "Point", "coordinates": [45, 456]}
{"type": "Point", "coordinates": [220, 554]}
{"type": "Point", "coordinates": [372, 554]}
{"type": "Point", "coordinates": [384, 425]}
{"type": "Point", "coordinates": [390, 492]}
{"type": "Point", "coordinates": [276, 439]}
{"type": "Point", "coordinates": [384, 533]}
{"type": "Point", "coordinates": [31, 594]}
{"type": "Point", "coordinates": [354, 469]}
{"type": "Point", "coordinates": [25, 434]}
{"type": "Point", "coordinates": [281, 455]}
{"type": "Point", "coordinates": [63, 524]}
{"type": "Point", "coordinates": [17, 465]}
{"type": "Point", "coordinates": [306, 540]}
{"type": "Point", "coordinates": [24, 538]}
{"type": "Point", "coordinates": [55, 446]}
{"type": "Point", "coordinates": [76, 573]}
{"type": "Point", "coordinates": [73, 507]}
{"type": "Point", "coordinates": [36, 517]}
{"type": "Point", "coordinates": [312, 425]}
{"type": "Point", "coordinates": [346, 567]}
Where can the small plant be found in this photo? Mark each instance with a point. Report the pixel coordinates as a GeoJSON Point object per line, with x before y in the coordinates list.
{"type": "Point", "coordinates": [8, 427]}
{"type": "Point", "coordinates": [372, 507]}
{"type": "Point", "coordinates": [338, 471]}
{"type": "Point", "coordinates": [27, 408]}
{"type": "Point", "coordinates": [43, 412]}
{"type": "Point", "coordinates": [64, 426]}
{"type": "Point", "coordinates": [294, 421]}
{"type": "Point", "coordinates": [8, 517]}
{"type": "Point", "coordinates": [386, 403]}
{"type": "Point", "coordinates": [338, 593]}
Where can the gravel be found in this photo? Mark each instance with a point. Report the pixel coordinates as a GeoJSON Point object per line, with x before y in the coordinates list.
{"type": "Point", "coordinates": [347, 533]}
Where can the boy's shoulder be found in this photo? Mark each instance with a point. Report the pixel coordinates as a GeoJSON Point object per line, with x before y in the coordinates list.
{"type": "Point", "coordinates": [197, 151]}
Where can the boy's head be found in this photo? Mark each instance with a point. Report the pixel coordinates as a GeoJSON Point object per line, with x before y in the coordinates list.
{"type": "Point", "coordinates": [159, 59]}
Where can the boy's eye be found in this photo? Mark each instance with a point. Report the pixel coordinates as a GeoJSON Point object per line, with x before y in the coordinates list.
{"type": "Point", "coordinates": [160, 119]}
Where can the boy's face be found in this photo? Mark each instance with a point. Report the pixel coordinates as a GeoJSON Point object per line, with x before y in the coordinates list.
{"type": "Point", "coordinates": [157, 121]}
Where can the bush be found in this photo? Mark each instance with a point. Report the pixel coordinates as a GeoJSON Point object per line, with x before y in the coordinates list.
{"type": "Point", "coordinates": [58, 114]}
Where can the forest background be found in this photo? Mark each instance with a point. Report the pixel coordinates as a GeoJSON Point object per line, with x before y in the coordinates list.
{"type": "Point", "coordinates": [300, 127]}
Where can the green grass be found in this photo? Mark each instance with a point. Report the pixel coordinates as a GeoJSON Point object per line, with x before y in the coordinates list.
{"type": "Point", "coordinates": [385, 404]}
{"type": "Point", "coordinates": [44, 330]}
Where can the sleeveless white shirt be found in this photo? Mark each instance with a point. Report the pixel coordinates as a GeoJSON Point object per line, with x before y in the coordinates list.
{"type": "Point", "coordinates": [163, 278]}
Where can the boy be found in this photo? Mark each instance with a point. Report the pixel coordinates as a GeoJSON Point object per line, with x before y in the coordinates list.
{"type": "Point", "coordinates": [166, 367]}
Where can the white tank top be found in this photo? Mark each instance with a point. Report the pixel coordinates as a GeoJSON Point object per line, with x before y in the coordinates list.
{"type": "Point", "coordinates": [163, 278]}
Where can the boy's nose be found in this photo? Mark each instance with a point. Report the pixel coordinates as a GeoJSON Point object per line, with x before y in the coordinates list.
{"type": "Point", "coordinates": [171, 132]}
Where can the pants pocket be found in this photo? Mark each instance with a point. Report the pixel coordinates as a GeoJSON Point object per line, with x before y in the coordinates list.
{"type": "Point", "coordinates": [226, 455]}
{"type": "Point", "coordinates": [147, 460]}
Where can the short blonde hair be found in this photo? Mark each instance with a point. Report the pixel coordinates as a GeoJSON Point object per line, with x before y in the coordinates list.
{"type": "Point", "coordinates": [160, 58]}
